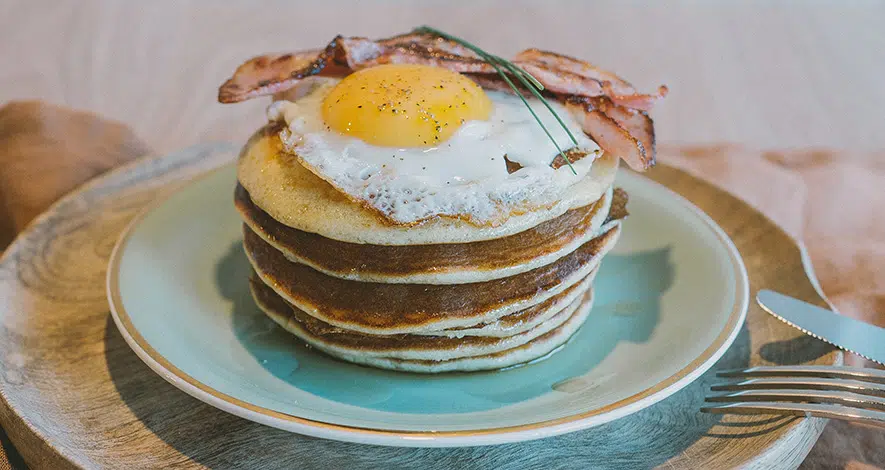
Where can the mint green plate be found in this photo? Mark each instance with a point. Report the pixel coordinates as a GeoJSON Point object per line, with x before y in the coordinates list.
{"type": "Point", "coordinates": [670, 299]}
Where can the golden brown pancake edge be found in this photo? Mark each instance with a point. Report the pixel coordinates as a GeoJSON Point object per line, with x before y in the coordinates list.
{"type": "Point", "coordinates": [406, 308]}
{"type": "Point", "coordinates": [452, 263]}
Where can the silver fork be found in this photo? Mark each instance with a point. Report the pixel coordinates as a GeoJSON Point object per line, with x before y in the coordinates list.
{"type": "Point", "coordinates": [845, 393]}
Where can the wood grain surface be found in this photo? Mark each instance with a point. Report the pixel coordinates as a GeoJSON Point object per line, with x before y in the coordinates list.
{"type": "Point", "coordinates": [76, 395]}
{"type": "Point", "coordinates": [766, 74]}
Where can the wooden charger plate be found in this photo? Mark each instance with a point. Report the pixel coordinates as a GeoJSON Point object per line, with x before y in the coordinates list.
{"type": "Point", "coordinates": [75, 395]}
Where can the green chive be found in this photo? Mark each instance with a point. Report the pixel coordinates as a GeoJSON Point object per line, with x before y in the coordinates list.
{"type": "Point", "coordinates": [524, 77]}
{"type": "Point", "coordinates": [549, 108]}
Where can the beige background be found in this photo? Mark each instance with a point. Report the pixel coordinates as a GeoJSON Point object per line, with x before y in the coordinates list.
{"type": "Point", "coordinates": [796, 74]}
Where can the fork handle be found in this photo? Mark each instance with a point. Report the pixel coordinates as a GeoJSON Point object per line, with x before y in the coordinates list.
{"type": "Point", "coordinates": [844, 413]}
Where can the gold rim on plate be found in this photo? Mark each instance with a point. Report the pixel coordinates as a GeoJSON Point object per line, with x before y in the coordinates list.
{"type": "Point", "coordinates": [188, 384]}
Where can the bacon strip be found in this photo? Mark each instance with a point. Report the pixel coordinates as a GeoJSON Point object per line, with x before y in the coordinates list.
{"type": "Point", "coordinates": [627, 133]}
{"type": "Point", "coordinates": [611, 136]}
{"type": "Point", "coordinates": [638, 124]}
{"type": "Point", "coordinates": [609, 108]}
{"type": "Point", "coordinates": [620, 131]}
{"type": "Point", "coordinates": [565, 63]}
{"type": "Point", "coordinates": [268, 74]}
{"type": "Point", "coordinates": [636, 101]}
{"type": "Point", "coordinates": [562, 81]}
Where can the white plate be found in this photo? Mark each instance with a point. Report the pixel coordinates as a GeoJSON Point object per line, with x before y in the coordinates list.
{"type": "Point", "coordinates": [670, 299]}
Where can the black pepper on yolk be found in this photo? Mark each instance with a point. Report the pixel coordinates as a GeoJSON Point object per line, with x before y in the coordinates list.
{"type": "Point", "coordinates": [404, 105]}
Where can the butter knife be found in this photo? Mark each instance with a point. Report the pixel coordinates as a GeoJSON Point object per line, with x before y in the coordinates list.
{"type": "Point", "coordinates": [863, 339]}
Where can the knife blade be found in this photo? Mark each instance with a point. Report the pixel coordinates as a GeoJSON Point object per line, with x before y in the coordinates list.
{"type": "Point", "coordinates": [863, 339]}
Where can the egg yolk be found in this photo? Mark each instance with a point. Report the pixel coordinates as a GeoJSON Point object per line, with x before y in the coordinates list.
{"type": "Point", "coordinates": [404, 105]}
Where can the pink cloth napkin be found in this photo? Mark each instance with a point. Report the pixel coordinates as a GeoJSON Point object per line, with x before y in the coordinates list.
{"type": "Point", "coordinates": [832, 201]}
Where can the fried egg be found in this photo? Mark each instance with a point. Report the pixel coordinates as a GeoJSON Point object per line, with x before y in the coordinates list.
{"type": "Point", "coordinates": [414, 142]}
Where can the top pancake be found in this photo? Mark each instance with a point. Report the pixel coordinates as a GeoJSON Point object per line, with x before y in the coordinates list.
{"type": "Point", "coordinates": [295, 197]}
{"type": "Point", "coordinates": [449, 263]}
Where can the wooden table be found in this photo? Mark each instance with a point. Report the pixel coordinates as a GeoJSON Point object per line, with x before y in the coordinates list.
{"type": "Point", "coordinates": [784, 76]}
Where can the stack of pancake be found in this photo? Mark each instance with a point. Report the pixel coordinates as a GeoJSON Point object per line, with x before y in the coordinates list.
{"type": "Point", "coordinates": [444, 295]}
{"type": "Point", "coordinates": [418, 204]}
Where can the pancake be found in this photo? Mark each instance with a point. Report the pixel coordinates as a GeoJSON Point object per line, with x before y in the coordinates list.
{"type": "Point", "coordinates": [406, 212]}
{"type": "Point", "coordinates": [536, 348]}
{"type": "Point", "coordinates": [454, 263]}
{"type": "Point", "coordinates": [295, 197]}
{"type": "Point", "coordinates": [522, 320]}
{"type": "Point", "coordinates": [401, 346]}
{"type": "Point", "coordinates": [378, 308]}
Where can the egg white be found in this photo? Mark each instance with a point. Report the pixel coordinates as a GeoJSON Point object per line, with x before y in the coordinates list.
{"type": "Point", "coordinates": [464, 177]}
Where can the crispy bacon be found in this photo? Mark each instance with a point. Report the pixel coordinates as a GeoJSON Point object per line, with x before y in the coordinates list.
{"type": "Point", "coordinates": [637, 100]}
{"type": "Point", "coordinates": [609, 108]}
{"type": "Point", "coordinates": [562, 81]}
{"type": "Point", "coordinates": [626, 133]}
{"type": "Point", "coordinates": [268, 74]}
{"type": "Point", "coordinates": [618, 90]}
{"type": "Point", "coordinates": [272, 74]}
{"type": "Point", "coordinates": [611, 136]}
{"type": "Point", "coordinates": [565, 63]}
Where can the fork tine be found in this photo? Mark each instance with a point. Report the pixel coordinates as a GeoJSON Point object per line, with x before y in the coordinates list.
{"type": "Point", "coordinates": [834, 372]}
{"type": "Point", "coordinates": [819, 396]}
{"type": "Point", "coordinates": [804, 384]}
{"type": "Point", "coordinates": [800, 409]}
